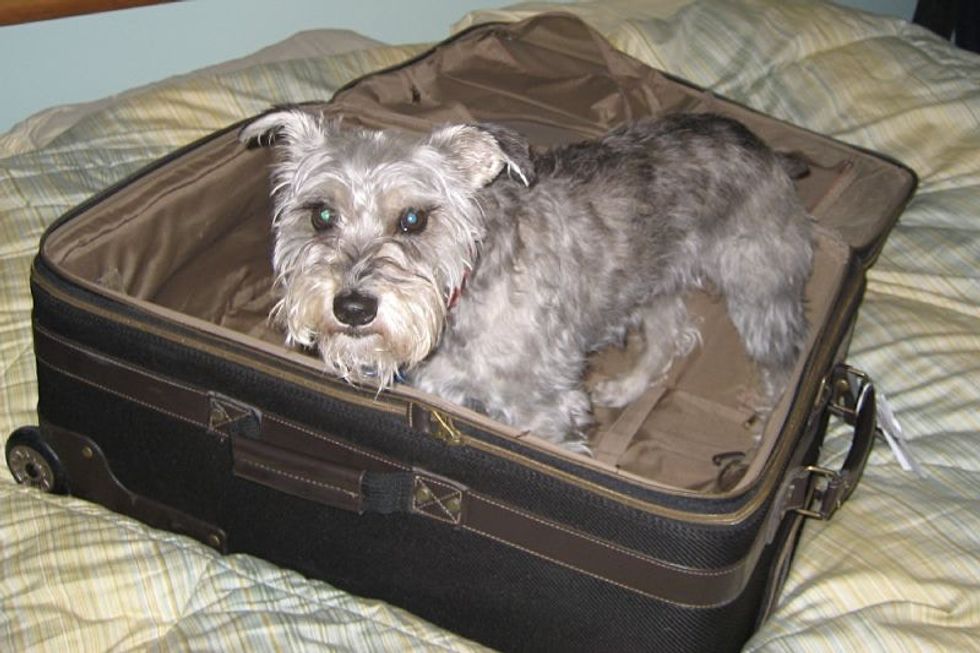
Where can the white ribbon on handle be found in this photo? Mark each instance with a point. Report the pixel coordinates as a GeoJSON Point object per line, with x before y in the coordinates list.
{"type": "Point", "coordinates": [891, 430]}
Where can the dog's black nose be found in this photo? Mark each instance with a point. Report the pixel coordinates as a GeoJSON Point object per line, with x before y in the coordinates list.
{"type": "Point", "coordinates": [354, 308]}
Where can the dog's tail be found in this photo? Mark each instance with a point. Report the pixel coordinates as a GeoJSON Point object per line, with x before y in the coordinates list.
{"type": "Point", "coordinates": [795, 164]}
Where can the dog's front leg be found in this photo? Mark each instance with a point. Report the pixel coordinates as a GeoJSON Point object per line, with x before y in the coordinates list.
{"type": "Point", "coordinates": [558, 413]}
{"type": "Point", "coordinates": [566, 420]}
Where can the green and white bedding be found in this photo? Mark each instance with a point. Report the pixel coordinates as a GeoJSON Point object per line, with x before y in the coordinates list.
{"type": "Point", "coordinates": [898, 568]}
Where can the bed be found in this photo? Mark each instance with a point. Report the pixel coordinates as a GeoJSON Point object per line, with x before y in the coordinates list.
{"type": "Point", "coordinates": [897, 569]}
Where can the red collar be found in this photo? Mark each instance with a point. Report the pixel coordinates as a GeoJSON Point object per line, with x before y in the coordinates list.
{"type": "Point", "coordinates": [457, 291]}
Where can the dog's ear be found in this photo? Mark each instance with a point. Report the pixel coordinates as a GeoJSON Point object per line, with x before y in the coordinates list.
{"type": "Point", "coordinates": [298, 131]}
{"type": "Point", "coordinates": [483, 151]}
{"type": "Point", "coordinates": [516, 150]}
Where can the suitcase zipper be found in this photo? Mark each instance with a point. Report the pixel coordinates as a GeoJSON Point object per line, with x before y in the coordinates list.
{"type": "Point", "coordinates": [445, 428]}
{"type": "Point", "coordinates": [388, 404]}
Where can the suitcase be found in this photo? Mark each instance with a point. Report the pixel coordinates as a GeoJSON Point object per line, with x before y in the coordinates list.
{"type": "Point", "coordinates": [165, 394]}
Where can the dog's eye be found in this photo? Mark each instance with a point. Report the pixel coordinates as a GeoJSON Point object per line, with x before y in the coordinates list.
{"type": "Point", "coordinates": [412, 221]}
{"type": "Point", "coordinates": [323, 217]}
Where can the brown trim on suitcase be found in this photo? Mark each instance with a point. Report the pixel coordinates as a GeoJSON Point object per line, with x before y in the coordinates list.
{"type": "Point", "coordinates": [675, 584]}
{"type": "Point", "coordinates": [298, 474]}
{"type": "Point", "coordinates": [291, 458]}
{"type": "Point", "coordinates": [320, 467]}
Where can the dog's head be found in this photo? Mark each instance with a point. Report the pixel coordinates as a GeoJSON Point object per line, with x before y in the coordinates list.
{"type": "Point", "coordinates": [375, 232]}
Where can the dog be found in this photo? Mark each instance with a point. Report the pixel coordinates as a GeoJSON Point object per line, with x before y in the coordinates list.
{"type": "Point", "coordinates": [481, 271]}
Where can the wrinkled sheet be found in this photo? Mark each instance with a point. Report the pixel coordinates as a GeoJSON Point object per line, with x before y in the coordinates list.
{"type": "Point", "coordinates": [898, 568]}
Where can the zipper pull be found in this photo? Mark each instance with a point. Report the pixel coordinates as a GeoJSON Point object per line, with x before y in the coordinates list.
{"type": "Point", "coordinates": [435, 424]}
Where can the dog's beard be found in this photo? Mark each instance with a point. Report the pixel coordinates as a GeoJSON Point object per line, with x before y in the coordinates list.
{"type": "Point", "coordinates": [406, 329]}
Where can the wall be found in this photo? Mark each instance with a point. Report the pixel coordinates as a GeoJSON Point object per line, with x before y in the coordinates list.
{"type": "Point", "coordinates": [901, 8]}
{"type": "Point", "coordinates": [84, 58]}
{"type": "Point", "coordinates": [88, 57]}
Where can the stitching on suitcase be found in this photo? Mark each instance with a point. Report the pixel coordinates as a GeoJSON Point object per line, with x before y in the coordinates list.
{"type": "Point", "coordinates": [429, 484]}
{"type": "Point", "coordinates": [633, 554]}
{"type": "Point", "coordinates": [426, 509]}
{"type": "Point", "coordinates": [115, 361]}
{"type": "Point", "coordinates": [188, 388]}
{"type": "Point", "coordinates": [228, 418]}
{"type": "Point", "coordinates": [339, 443]}
{"type": "Point", "coordinates": [590, 573]}
{"type": "Point", "coordinates": [119, 394]}
{"type": "Point", "coordinates": [301, 479]}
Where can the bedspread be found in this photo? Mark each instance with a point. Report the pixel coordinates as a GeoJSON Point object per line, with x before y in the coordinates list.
{"type": "Point", "coordinates": [898, 568]}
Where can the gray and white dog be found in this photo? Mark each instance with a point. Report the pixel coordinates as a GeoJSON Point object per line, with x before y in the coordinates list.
{"type": "Point", "coordinates": [485, 273]}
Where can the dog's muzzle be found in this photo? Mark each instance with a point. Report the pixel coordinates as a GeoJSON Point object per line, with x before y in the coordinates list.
{"type": "Point", "coordinates": [355, 308]}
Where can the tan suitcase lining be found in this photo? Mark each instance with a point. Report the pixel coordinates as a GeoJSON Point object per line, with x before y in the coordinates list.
{"type": "Point", "coordinates": [194, 240]}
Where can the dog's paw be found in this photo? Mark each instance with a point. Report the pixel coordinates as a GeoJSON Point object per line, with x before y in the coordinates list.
{"type": "Point", "coordinates": [619, 391]}
{"type": "Point", "coordinates": [578, 446]}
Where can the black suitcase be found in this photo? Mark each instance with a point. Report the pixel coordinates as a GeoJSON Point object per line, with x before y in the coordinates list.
{"type": "Point", "coordinates": [166, 395]}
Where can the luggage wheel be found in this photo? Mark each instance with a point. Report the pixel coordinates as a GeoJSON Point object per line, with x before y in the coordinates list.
{"type": "Point", "coordinates": [33, 462]}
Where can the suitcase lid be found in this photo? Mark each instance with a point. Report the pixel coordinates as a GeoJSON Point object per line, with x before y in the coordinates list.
{"type": "Point", "coordinates": [557, 80]}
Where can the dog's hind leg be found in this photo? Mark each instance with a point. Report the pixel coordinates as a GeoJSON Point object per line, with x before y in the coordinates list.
{"type": "Point", "coordinates": [668, 332]}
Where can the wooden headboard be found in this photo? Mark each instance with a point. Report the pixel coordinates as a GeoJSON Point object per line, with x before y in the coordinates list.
{"type": "Point", "coordinates": [13, 12]}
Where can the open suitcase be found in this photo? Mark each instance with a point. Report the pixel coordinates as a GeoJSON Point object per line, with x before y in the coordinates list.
{"type": "Point", "coordinates": [166, 395]}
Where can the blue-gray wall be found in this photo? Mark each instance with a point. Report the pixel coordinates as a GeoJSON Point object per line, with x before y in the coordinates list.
{"type": "Point", "coordinates": [901, 8]}
{"type": "Point", "coordinates": [87, 57]}
{"type": "Point", "coordinates": [84, 58]}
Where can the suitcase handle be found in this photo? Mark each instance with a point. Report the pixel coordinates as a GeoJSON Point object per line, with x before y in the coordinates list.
{"type": "Point", "coordinates": [815, 491]}
{"type": "Point", "coordinates": [348, 488]}
{"type": "Point", "coordinates": [309, 464]}
{"type": "Point", "coordinates": [314, 465]}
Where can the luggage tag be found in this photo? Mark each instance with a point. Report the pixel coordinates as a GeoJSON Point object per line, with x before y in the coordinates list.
{"type": "Point", "coordinates": [891, 430]}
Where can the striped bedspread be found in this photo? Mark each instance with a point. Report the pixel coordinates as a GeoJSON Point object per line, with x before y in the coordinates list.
{"type": "Point", "coordinates": [898, 569]}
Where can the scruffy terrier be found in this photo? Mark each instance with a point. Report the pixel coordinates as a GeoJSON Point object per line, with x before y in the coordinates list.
{"type": "Point", "coordinates": [484, 273]}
